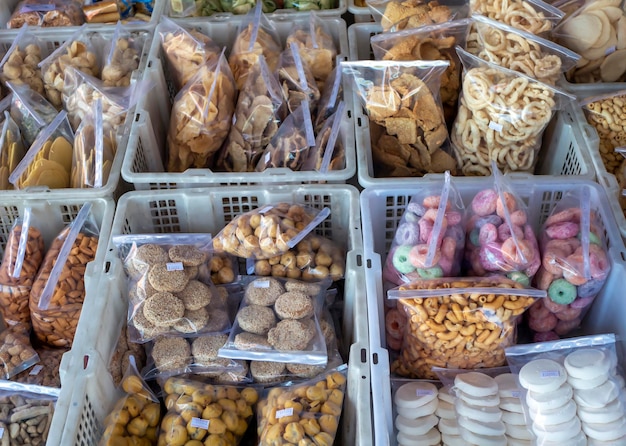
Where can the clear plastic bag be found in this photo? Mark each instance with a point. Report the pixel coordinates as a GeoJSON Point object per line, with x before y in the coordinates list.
{"type": "Point", "coordinates": [268, 231]}
{"type": "Point", "coordinates": [30, 111]}
{"type": "Point", "coordinates": [430, 237]}
{"type": "Point", "coordinates": [31, 407]}
{"type": "Point", "coordinates": [574, 265]}
{"type": "Point", "coordinates": [57, 295]}
{"type": "Point", "coordinates": [182, 8]}
{"type": "Point", "coordinates": [186, 52]}
{"type": "Point", "coordinates": [309, 5]}
{"type": "Point", "coordinates": [122, 57]}
{"type": "Point", "coordinates": [290, 146]}
{"type": "Point", "coordinates": [106, 12]}
{"type": "Point", "coordinates": [519, 50]}
{"type": "Point", "coordinates": [260, 109]}
{"type": "Point", "coordinates": [331, 95]}
{"type": "Point", "coordinates": [119, 361]}
{"type": "Point", "coordinates": [396, 15]}
{"type": "Point", "coordinates": [407, 127]}
{"type": "Point", "coordinates": [533, 16]}
{"type": "Point", "coordinates": [296, 79]}
{"type": "Point", "coordinates": [502, 116]}
{"type": "Point", "coordinates": [290, 413]}
{"type": "Point", "coordinates": [328, 153]}
{"type": "Point", "coordinates": [47, 13]}
{"type": "Point", "coordinates": [278, 321]}
{"type": "Point", "coordinates": [500, 238]}
{"type": "Point", "coordinates": [46, 372]}
{"type": "Point", "coordinates": [435, 42]}
{"type": "Point", "coordinates": [23, 254]}
{"type": "Point", "coordinates": [201, 117]}
{"type": "Point", "coordinates": [466, 323]}
{"type": "Point", "coordinates": [12, 149]}
{"type": "Point", "coordinates": [256, 37]}
{"type": "Point", "coordinates": [20, 63]}
{"type": "Point", "coordinates": [16, 353]}
{"type": "Point", "coordinates": [48, 162]}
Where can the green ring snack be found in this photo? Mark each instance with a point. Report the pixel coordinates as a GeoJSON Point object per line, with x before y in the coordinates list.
{"type": "Point", "coordinates": [401, 260]}
{"type": "Point", "coordinates": [430, 273]}
{"type": "Point", "coordinates": [562, 292]}
{"type": "Point", "coordinates": [519, 277]}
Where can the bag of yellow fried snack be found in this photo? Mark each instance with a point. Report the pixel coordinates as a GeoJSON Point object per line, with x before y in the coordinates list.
{"type": "Point", "coordinates": [306, 413]}
{"type": "Point", "coordinates": [201, 117]}
{"type": "Point", "coordinates": [12, 149]}
{"type": "Point", "coordinates": [48, 162]}
{"type": "Point", "coordinates": [200, 413]}
{"type": "Point", "coordinates": [136, 415]}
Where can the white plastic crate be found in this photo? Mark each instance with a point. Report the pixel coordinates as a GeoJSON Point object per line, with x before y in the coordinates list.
{"type": "Point", "coordinates": [361, 14]}
{"type": "Point", "coordinates": [144, 163]}
{"type": "Point", "coordinates": [53, 38]}
{"type": "Point", "coordinates": [382, 209]}
{"type": "Point", "coordinates": [208, 210]}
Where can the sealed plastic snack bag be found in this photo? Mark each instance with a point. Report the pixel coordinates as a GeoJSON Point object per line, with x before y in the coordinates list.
{"type": "Point", "coordinates": [221, 414]}
{"type": "Point", "coordinates": [201, 117]}
{"type": "Point", "coordinates": [296, 79]}
{"type": "Point", "coordinates": [20, 63]}
{"type": "Point", "coordinates": [136, 414]}
{"type": "Point", "coordinates": [57, 296]}
{"type": "Point", "coordinates": [407, 127]}
{"type": "Point", "coordinates": [306, 413]}
{"type": "Point", "coordinates": [533, 16]}
{"type": "Point", "coordinates": [256, 37]}
{"type": "Point", "coordinates": [46, 373]}
{"type": "Point", "coordinates": [574, 265]}
{"type": "Point", "coordinates": [121, 356]}
{"type": "Point", "coordinates": [268, 231]}
{"type": "Point", "coordinates": [329, 152]}
{"type": "Point", "coordinates": [30, 111]}
{"type": "Point", "coordinates": [290, 147]}
{"type": "Point", "coordinates": [502, 116]}
{"type": "Point", "coordinates": [519, 50]}
{"type": "Point", "coordinates": [28, 406]}
{"type": "Point", "coordinates": [185, 51]}
{"type": "Point", "coordinates": [12, 149]}
{"type": "Point", "coordinates": [123, 54]}
{"type": "Point", "coordinates": [435, 42]}
{"type": "Point", "coordinates": [16, 352]}
{"type": "Point", "coordinates": [260, 109]}
{"type": "Point", "coordinates": [48, 162]}
{"type": "Point", "coordinates": [331, 95]}
{"type": "Point", "coordinates": [463, 324]}
{"type": "Point", "coordinates": [499, 237]}
{"type": "Point", "coordinates": [396, 15]}
{"type": "Point", "coordinates": [23, 255]}
{"type": "Point", "coordinates": [47, 13]}
{"type": "Point", "coordinates": [430, 237]}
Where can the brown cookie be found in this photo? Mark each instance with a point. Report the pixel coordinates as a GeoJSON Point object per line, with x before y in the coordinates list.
{"type": "Point", "coordinates": [146, 256]}
{"type": "Point", "coordinates": [263, 291]}
{"type": "Point", "coordinates": [310, 289]}
{"type": "Point", "coordinates": [163, 280]}
{"type": "Point", "coordinates": [256, 319]}
{"type": "Point", "coordinates": [267, 371]}
{"type": "Point", "coordinates": [193, 321]}
{"type": "Point", "coordinates": [196, 295]}
{"type": "Point", "coordinates": [171, 354]}
{"type": "Point", "coordinates": [146, 329]}
{"type": "Point", "coordinates": [250, 341]}
{"type": "Point", "coordinates": [163, 309]}
{"type": "Point", "coordinates": [218, 321]}
{"type": "Point", "coordinates": [205, 348]}
{"type": "Point", "coordinates": [293, 305]}
{"type": "Point", "coordinates": [290, 335]}
{"type": "Point", "coordinates": [188, 255]}
{"type": "Point", "coordinates": [305, 370]}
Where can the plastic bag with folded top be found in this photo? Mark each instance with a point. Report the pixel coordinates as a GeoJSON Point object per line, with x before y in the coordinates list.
{"type": "Point", "coordinates": [533, 16]}
{"type": "Point", "coordinates": [16, 353]}
{"type": "Point", "coordinates": [502, 116]}
{"type": "Point", "coordinates": [396, 15]}
{"type": "Point", "coordinates": [22, 258]}
{"type": "Point", "coordinates": [290, 146]}
{"type": "Point", "coordinates": [256, 36]}
{"type": "Point", "coordinates": [466, 323]}
{"type": "Point", "coordinates": [407, 127]}
{"type": "Point", "coordinates": [296, 80]}
{"type": "Point", "coordinates": [12, 149]}
{"type": "Point", "coordinates": [185, 51]}
{"type": "Point", "coordinates": [328, 153]}
{"type": "Point", "coordinates": [331, 95]}
{"type": "Point", "coordinates": [48, 162]}
{"type": "Point", "coordinates": [20, 63]}
{"type": "Point", "coordinates": [30, 111]}
{"type": "Point", "coordinates": [122, 57]}
{"type": "Point", "coordinates": [201, 117]}
{"type": "Point", "coordinates": [46, 372]}
{"type": "Point", "coordinates": [260, 110]}
{"type": "Point", "coordinates": [47, 13]}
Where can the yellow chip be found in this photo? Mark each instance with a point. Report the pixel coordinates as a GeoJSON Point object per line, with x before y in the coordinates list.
{"type": "Point", "coordinates": [61, 152]}
{"type": "Point", "coordinates": [4, 179]}
{"type": "Point", "coordinates": [47, 173]}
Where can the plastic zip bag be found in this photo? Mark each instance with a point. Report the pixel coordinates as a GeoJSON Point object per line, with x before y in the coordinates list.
{"type": "Point", "coordinates": [434, 42]}
{"type": "Point", "coordinates": [296, 80]}
{"type": "Point", "coordinates": [331, 95]}
{"type": "Point", "coordinates": [119, 361]}
{"type": "Point", "coordinates": [574, 265]}
{"type": "Point", "coordinates": [407, 128]}
{"type": "Point", "coordinates": [30, 111]}
{"type": "Point", "coordinates": [28, 404]}
{"type": "Point", "coordinates": [328, 153]}
{"type": "Point", "coordinates": [57, 296]}
{"type": "Point", "coordinates": [290, 146]}
{"type": "Point", "coordinates": [256, 36]}
{"type": "Point", "coordinates": [47, 13]}
{"type": "Point", "coordinates": [46, 372]}
{"type": "Point", "coordinates": [48, 162]}
{"type": "Point", "coordinates": [499, 237]}
{"type": "Point", "coordinates": [20, 63]}
{"type": "Point", "coordinates": [463, 324]}
{"type": "Point", "coordinates": [16, 353]}
{"type": "Point", "coordinates": [123, 55]}
{"type": "Point", "coordinates": [186, 52]}
{"type": "Point", "coordinates": [22, 258]}
{"type": "Point", "coordinates": [430, 237]}
{"type": "Point", "coordinates": [182, 8]}
{"type": "Point", "coordinates": [533, 16]}
{"type": "Point", "coordinates": [502, 116]}
{"type": "Point", "coordinates": [260, 110]}
{"type": "Point", "coordinates": [396, 15]}
{"type": "Point", "coordinates": [12, 149]}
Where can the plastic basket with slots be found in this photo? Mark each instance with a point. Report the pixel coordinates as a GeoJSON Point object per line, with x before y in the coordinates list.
{"type": "Point", "coordinates": [361, 14]}
{"type": "Point", "coordinates": [145, 158]}
{"type": "Point", "coordinates": [50, 216]}
{"type": "Point", "coordinates": [564, 150]}
{"type": "Point", "coordinates": [208, 210]}
{"type": "Point", "coordinates": [540, 194]}
{"type": "Point", "coordinates": [53, 38]}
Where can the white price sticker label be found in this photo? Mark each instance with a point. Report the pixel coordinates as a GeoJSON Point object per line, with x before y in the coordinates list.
{"type": "Point", "coordinates": [35, 371]}
{"type": "Point", "coordinates": [1, 432]}
{"type": "Point", "coordinates": [495, 126]}
{"type": "Point", "coordinates": [284, 413]}
{"type": "Point", "coordinates": [199, 423]}
{"type": "Point", "coordinates": [175, 266]}
{"type": "Point", "coordinates": [424, 392]}
{"type": "Point", "coordinates": [262, 283]}
{"type": "Point", "coordinates": [550, 374]}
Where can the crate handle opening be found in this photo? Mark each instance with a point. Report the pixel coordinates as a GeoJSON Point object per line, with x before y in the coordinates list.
{"type": "Point", "coordinates": [363, 356]}
{"type": "Point", "coordinates": [375, 358]}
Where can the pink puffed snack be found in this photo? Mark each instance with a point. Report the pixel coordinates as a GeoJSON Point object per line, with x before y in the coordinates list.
{"type": "Point", "coordinates": [499, 237]}
{"type": "Point", "coordinates": [574, 266]}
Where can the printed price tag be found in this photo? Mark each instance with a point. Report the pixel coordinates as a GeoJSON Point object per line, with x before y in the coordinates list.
{"type": "Point", "coordinates": [262, 283]}
{"type": "Point", "coordinates": [284, 413]}
{"type": "Point", "coordinates": [423, 392]}
{"type": "Point", "coordinates": [495, 126]}
{"type": "Point", "coordinates": [35, 371]}
{"type": "Point", "coordinates": [550, 374]}
{"type": "Point", "coordinates": [199, 423]}
{"type": "Point", "coordinates": [175, 266]}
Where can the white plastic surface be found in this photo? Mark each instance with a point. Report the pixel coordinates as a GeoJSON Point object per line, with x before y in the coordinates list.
{"type": "Point", "coordinates": [145, 158]}
{"type": "Point", "coordinates": [361, 14]}
{"type": "Point", "coordinates": [208, 210]}
{"type": "Point", "coordinates": [381, 210]}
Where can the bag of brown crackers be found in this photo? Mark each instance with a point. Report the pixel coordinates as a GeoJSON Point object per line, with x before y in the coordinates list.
{"type": "Point", "coordinates": [122, 57]}
{"type": "Point", "coordinates": [47, 13]}
{"type": "Point", "coordinates": [16, 352]}
{"type": "Point", "coordinates": [57, 295]}
{"type": "Point", "coordinates": [296, 79]}
{"type": "Point", "coordinates": [22, 258]}
{"type": "Point", "coordinates": [332, 94]}
{"type": "Point", "coordinates": [407, 128]}
{"type": "Point", "coordinates": [396, 15]}
{"type": "Point", "coordinates": [20, 64]}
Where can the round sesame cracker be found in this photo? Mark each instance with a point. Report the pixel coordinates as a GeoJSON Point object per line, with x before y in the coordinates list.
{"type": "Point", "coordinates": [267, 371]}
{"type": "Point", "coordinates": [193, 321]}
{"type": "Point", "coordinates": [256, 319]}
{"type": "Point", "coordinates": [145, 256]}
{"type": "Point", "coordinates": [290, 335]}
{"type": "Point", "coordinates": [196, 295]}
{"type": "Point", "coordinates": [251, 341]}
{"type": "Point", "coordinates": [218, 321]}
{"type": "Point", "coordinates": [305, 370]}
{"type": "Point", "coordinates": [146, 329]}
{"type": "Point", "coordinates": [293, 305]}
{"type": "Point", "coordinates": [310, 289]}
{"type": "Point", "coordinates": [171, 353]}
{"type": "Point", "coordinates": [204, 350]}
{"type": "Point", "coordinates": [236, 375]}
{"type": "Point", "coordinates": [263, 291]}
{"type": "Point", "coordinates": [189, 255]}
{"type": "Point", "coordinates": [163, 280]}
{"type": "Point", "coordinates": [163, 309]}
